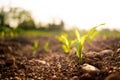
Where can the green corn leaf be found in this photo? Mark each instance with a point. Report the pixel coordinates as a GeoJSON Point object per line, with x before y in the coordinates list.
{"type": "Point", "coordinates": [78, 48]}
{"type": "Point", "coordinates": [46, 46]}
{"type": "Point", "coordinates": [65, 48]}
{"type": "Point", "coordinates": [35, 46]}
{"type": "Point", "coordinates": [63, 38]}
{"type": "Point", "coordinates": [66, 42]}
{"type": "Point", "coordinates": [91, 31]}
{"type": "Point", "coordinates": [77, 34]}
{"type": "Point", "coordinates": [91, 37]}
{"type": "Point", "coordinates": [3, 34]}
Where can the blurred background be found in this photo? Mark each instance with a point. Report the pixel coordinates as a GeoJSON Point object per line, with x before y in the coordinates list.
{"type": "Point", "coordinates": [56, 15]}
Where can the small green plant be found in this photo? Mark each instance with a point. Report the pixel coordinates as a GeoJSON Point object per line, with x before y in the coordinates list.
{"type": "Point", "coordinates": [66, 42]}
{"type": "Point", "coordinates": [79, 41]}
{"type": "Point", "coordinates": [11, 34]}
{"type": "Point", "coordinates": [46, 47]}
{"type": "Point", "coordinates": [35, 47]}
{"type": "Point", "coordinates": [2, 34]}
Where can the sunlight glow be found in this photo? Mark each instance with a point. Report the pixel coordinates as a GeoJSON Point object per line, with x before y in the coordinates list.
{"type": "Point", "coordinates": [81, 13]}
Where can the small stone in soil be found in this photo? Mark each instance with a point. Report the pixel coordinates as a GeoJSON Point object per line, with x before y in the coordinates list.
{"type": "Point", "coordinates": [17, 78]}
{"type": "Point", "coordinates": [106, 53]}
{"type": "Point", "coordinates": [91, 54]}
{"type": "Point", "coordinates": [74, 78]}
{"type": "Point", "coordinates": [90, 69]}
{"type": "Point", "coordinates": [118, 50]}
{"type": "Point", "coordinates": [39, 61]}
{"type": "Point", "coordinates": [54, 77]}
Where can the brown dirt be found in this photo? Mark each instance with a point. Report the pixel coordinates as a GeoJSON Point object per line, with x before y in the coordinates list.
{"type": "Point", "coordinates": [17, 61]}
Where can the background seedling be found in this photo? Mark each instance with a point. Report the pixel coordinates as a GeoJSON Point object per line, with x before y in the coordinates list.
{"type": "Point", "coordinates": [46, 46]}
{"type": "Point", "coordinates": [35, 47]}
{"type": "Point", "coordinates": [2, 34]}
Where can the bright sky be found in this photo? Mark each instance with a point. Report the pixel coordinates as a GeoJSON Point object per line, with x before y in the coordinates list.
{"type": "Point", "coordinates": [81, 13]}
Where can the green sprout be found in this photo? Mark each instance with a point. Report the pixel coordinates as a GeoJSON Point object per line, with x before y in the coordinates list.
{"type": "Point", "coordinates": [78, 42]}
{"type": "Point", "coordinates": [35, 47]}
{"type": "Point", "coordinates": [66, 42]}
{"type": "Point", "coordinates": [91, 37]}
{"type": "Point", "coordinates": [12, 34]}
{"type": "Point", "coordinates": [3, 34]}
{"type": "Point", "coordinates": [81, 40]}
{"type": "Point", "coordinates": [46, 47]}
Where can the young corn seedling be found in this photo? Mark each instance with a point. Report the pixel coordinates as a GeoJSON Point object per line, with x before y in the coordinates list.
{"type": "Point", "coordinates": [46, 47]}
{"type": "Point", "coordinates": [35, 47]}
{"type": "Point", "coordinates": [2, 34]}
{"type": "Point", "coordinates": [66, 42]}
{"type": "Point", "coordinates": [81, 40]}
{"type": "Point", "coordinates": [11, 34]}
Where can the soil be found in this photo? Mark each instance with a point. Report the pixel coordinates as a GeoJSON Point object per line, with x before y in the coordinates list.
{"type": "Point", "coordinates": [18, 62]}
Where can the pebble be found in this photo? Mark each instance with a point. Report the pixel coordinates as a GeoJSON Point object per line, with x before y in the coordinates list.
{"type": "Point", "coordinates": [38, 61]}
{"type": "Point", "coordinates": [102, 53]}
{"type": "Point", "coordinates": [118, 50]}
{"type": "Point", "coordinates": [54, 77]}
{"type": "Point", "coordinates": [90, 68]}
{"type": "Point", "coordinates": [74, 78]}
{"type": "Point", "coordinates": [106, 53]}
{"type": "Point", "coordinates": [91, 54]}
{"type": "Point", "coordinates": [38, 78]}
{"type": "Point", "coordinates": [2, 56]}
{"type": "Point", "coordinates": [17, 78]}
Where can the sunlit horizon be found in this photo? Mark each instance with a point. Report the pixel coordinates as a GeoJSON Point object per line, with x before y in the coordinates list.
{"type": "Point", "coordinates": [83, 14]}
